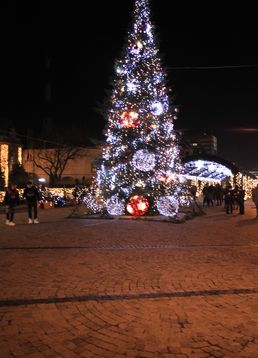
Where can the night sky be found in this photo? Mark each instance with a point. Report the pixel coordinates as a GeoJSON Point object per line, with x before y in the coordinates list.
{"type": "Point", "coordinates": [84, 41]}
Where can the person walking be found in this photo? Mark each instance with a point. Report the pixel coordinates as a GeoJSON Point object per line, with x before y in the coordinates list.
{"type": "Point", "coordinates": [31, 194]}
{"type": "Point", "coordinates": [11, 200]}
{"type": "Point", "coordinates": [255, 199]}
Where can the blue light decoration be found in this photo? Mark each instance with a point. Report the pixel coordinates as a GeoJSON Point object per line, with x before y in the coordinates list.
{"type": "Point", "coordinates": [58, 201]}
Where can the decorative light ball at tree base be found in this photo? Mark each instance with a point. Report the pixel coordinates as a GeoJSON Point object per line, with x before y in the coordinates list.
{"type": "Point", "coordinates": [168, 206]}
{"type": "Point", "coordinates": [130, 119]}
{"type": "Point", "coordinates": [138, 205]}
{"type": "Point", "coordinates": [115, 206]}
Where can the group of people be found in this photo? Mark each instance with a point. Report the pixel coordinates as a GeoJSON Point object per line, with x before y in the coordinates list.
{"type": "Point", "coordinates": [212, 193]}
{"type": "Point", "coordinates": [233, 198]}
{"type": "Point", "coordinates": [12, 199]}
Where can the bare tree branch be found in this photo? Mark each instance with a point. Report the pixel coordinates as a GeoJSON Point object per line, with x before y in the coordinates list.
{"type": "Point", "coordinates": [54, 161]}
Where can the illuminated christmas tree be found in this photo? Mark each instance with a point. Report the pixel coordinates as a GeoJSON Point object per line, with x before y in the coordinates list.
{"type": "Point", "coordinates": [140, 169]}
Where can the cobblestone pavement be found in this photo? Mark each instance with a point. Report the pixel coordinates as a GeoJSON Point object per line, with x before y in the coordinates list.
{"type": "Point", "coordinates": [129, 289]}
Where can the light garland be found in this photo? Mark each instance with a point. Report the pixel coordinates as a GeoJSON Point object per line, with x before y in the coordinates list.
{"type": "Point", "coordinates": [20, 155]}
{"type": "Point", "coordinates": [209, 169]}
{"type": "Point", "coordinates": [4, 161]}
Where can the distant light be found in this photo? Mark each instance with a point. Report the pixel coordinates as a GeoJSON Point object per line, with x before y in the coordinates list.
{"type": "Point", "coordinates": [42, 180]}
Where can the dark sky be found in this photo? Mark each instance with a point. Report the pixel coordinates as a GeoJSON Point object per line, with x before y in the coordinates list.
{"type": "Point", "coordinates": [84, 38]}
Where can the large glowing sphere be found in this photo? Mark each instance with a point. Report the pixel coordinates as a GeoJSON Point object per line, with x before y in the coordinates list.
{"type": "Point", "coordinates": [168, 206]}
{"type": "Point", "coordinates": [115, 206]}
{"type": "Point", "coordinates": [129, 119]}
{"type": "Point", "coordinates": [144, 160]}
{"type": "Point", "coordinates": [94, 203]}
{"type": "Point", "coordinates": [137, 205]}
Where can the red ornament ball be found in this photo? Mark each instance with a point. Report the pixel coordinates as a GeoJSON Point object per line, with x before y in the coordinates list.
{"type": "Point", "coordinates": [137, 205]}
{"type": "Point", "coordinates": [130, 119]}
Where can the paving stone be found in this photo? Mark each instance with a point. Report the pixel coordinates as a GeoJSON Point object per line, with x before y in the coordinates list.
{"type": "Point", "coordinates": [122, 288]}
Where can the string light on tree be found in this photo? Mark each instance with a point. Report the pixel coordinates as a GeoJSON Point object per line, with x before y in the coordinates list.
{"type": "Point", "coordinates": [157, 108]}
{"type": "Point", "coordinates": [140, 137]}
{"type": "Point", "coordinates": [144, 160]}
{"type": "Point", "coordinates": [132, 86]}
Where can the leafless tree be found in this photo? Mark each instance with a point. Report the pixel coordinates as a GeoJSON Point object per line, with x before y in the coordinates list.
{"type": "Point", "coordinates": [53, 161]}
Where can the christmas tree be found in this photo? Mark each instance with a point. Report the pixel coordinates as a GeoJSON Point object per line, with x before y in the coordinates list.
{"type": "Point", "coordinates": [140, 170]}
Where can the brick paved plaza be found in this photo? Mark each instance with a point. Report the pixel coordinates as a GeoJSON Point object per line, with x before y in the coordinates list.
{"type": "Point", "coordinates": [129, 289]}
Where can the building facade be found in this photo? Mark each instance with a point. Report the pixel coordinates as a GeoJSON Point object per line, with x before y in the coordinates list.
{"type": "Point", "coordinates": [198, 143]}
{"type": "Point", "coordinates": [83, 167]}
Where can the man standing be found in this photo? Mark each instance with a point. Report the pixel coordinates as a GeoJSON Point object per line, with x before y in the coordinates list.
{"type": "Point", "coordinates": [255, 199]}
{"type": "Point", "coordinates": [240, 199]}
{"type": "Point", "coordinates": [31, 194]}
{"type": "Point", "coordinates": [228, 199]}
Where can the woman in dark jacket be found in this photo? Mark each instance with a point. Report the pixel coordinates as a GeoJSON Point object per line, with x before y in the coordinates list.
{"type": "Point", "coordinates": [11, 199]}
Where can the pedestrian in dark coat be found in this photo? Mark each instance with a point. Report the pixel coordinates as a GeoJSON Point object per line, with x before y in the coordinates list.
{"type": "Point", "coordinates": [229, 199]}
{"type": "Point", "coordinates": [255, 199]}
{"type": "Point", "coordinates": [11, 200]}
{"type": "Point", "coordinates": [240, 199]}
{"type": "Point", "coordinates": [31, 194]}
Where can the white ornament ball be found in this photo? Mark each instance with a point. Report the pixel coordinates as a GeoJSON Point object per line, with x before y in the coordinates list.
{"type": "Point", "coordinates": [144, 160]}
{"type": "Point", "coordinates": [94, 203]}
{"type": "Point", "coordinates": [157, 108]}
{"type": "Point", "coordinates": [167, 206]}
{"type": "Point", "coordinates": [115, 206]}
